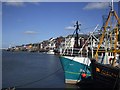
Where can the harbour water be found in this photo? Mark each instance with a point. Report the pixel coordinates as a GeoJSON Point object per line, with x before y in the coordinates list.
{"type": "Point", "coordinates": [32, 70]}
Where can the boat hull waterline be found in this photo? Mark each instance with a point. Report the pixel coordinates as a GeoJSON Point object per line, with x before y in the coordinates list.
{"type": "Point", "coordinates": [73, 68]}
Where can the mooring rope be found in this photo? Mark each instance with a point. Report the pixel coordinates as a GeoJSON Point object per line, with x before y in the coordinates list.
{"type": "Point", "coordinates": [32, 82]}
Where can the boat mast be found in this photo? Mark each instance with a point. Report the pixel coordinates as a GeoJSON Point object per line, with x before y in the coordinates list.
{"type": "Point", "coordinates": [77, 37]}
{"type": "Point", "coordinates": [112, 13]}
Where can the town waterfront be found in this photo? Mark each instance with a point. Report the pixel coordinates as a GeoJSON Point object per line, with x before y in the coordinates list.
{"type": "Point", "coordinates": [31, 70]}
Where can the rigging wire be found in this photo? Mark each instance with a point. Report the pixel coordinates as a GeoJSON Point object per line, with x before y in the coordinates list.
{"type": "Point", "coordinates": [87, 28]}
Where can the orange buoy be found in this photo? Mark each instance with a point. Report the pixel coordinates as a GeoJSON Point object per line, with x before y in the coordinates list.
{"type": "Point", "coordinates": [83, 75]}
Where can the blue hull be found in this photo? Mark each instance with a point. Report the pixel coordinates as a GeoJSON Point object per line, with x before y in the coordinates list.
{"type": "Point", "coordinates": [73, 70]}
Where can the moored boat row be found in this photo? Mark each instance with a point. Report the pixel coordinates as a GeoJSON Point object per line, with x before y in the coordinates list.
{"type": "Point", "coordinates": [100, 61]}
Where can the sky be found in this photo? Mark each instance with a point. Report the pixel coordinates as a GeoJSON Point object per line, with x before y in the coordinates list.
{"type": "Point", "coordinates": [33, 22]}
{"type": "Point", "coordinates": [0, 45]}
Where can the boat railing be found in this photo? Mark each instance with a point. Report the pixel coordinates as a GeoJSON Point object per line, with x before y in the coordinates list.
{"type": "Point", "coordinates": [74, 52]}
{"type": "Point", "coordinates": [83, 52]}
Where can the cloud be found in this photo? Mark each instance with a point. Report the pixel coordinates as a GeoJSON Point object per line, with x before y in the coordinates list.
{"type": "Point", "coordinates": [72, 27]}
{"type": "Point", "coordinates": [61, 0]}
{"type": "Point", "coordinates": [35, 3]}
{"type": "Point", "coordinates": [69, 28]}
{"type": "Point", "coordinates": [14, 3]}
{"type": "Point", "coordinates": [20, 2]}
{"type": "Point", "coordinates": [30, 32]}
{"type": "Point", "coordinates": [96, 5]}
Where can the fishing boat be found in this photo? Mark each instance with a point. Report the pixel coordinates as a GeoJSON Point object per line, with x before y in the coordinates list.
{"type": "Point", "coordinates": [75, 60]}
{"type": "Point", "coordinates": [106, 70]}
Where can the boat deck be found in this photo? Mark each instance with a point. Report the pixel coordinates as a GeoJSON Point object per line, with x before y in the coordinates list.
{"type": "Point", "coordinates": [90, 84]}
